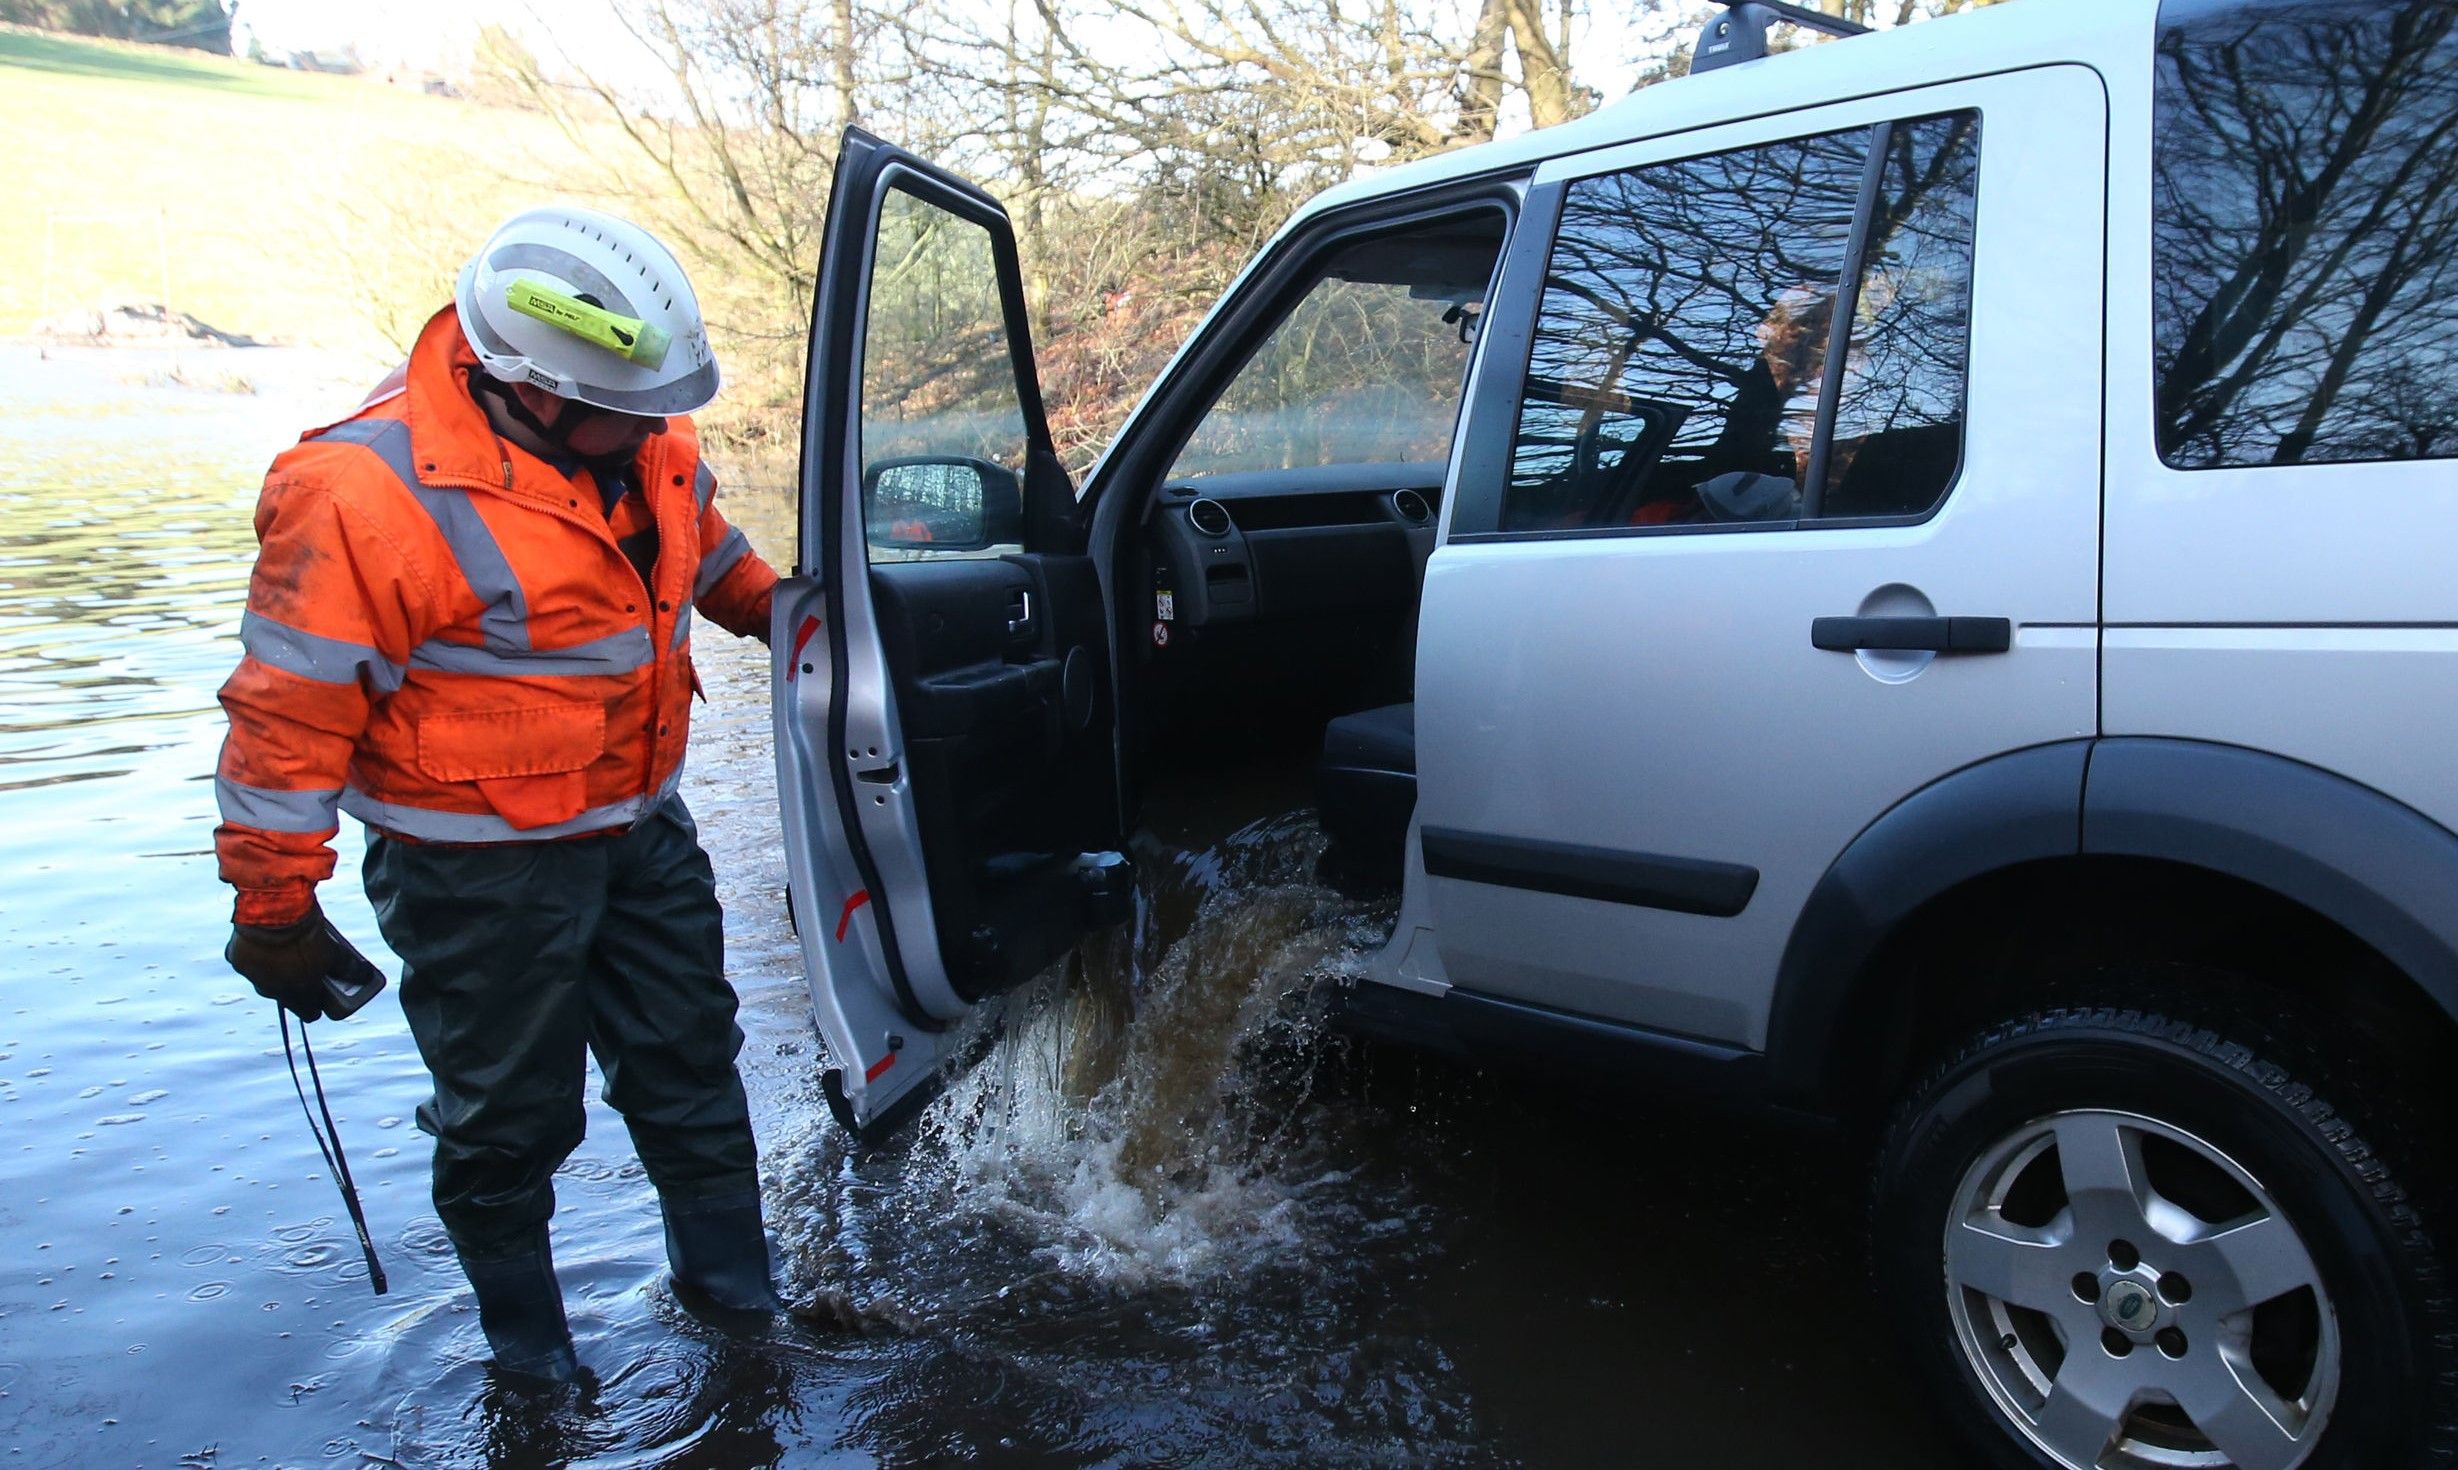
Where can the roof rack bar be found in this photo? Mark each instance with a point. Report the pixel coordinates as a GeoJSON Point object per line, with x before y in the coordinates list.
{"type": "Point", "coordinates": [1740, 33]}
{"type": "Point", "coordinates": [1802, 15]}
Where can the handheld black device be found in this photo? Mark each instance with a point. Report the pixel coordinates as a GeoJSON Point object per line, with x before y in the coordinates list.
{"type": "Point", "coordinates": [352, 980]}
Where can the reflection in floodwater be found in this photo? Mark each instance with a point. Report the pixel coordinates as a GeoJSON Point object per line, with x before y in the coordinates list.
{"type": "Point", "coordinates": [109, 606]}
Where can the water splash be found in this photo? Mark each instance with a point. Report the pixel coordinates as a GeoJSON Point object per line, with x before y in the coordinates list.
{"type": "Point", "coordinates": [1141, 1118]}
{"type": "Point", "coordinates": [1135, 1117]}
{"type": "Point", "coordinates": [1140, 1225]}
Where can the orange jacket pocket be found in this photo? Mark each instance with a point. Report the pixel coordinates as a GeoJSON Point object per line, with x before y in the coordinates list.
{"type": "Point", "coordinates": [529, 764]}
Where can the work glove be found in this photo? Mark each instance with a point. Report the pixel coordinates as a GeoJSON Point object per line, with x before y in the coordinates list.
{"type": "Point", "coordinates": [288, 963]}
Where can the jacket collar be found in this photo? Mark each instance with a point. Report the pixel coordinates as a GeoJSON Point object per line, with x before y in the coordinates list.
{"type": "Point", "coordinates": [452, 443]}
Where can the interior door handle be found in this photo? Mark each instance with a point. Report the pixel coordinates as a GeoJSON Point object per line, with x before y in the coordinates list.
{"type": "Point", "coordinates": [1932, 635]}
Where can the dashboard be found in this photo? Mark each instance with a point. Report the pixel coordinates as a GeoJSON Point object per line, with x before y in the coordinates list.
{"type": "Point", "coordinates": [1278, 545]}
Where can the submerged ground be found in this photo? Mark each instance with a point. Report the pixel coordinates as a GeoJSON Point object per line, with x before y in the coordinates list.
{"type": "Point", "coordinates": [1169, 1222]}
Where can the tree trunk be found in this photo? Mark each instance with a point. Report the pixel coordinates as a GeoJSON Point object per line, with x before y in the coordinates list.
{"type": "Point", "coordinates": [841, 57]}
{"type": "Point", "coordinates": [1544, 66]}
{"type": "Point", "coordinates": [1480, 88]}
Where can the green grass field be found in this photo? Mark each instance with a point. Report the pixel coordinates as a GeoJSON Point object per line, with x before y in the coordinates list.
{"type": "Point", "coordinates": [310, 209]}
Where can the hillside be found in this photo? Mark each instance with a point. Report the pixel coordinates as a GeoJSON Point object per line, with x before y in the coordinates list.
{"type": "Point", "coordinates": [309, 209]}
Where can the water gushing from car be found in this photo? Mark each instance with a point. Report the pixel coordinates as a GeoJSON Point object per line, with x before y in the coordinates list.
{"type": "Point", "coordinates": [1136, 1115]}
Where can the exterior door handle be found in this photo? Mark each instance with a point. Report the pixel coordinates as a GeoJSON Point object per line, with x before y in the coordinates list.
{"type": "Point", "coordinates": [1930, 635]}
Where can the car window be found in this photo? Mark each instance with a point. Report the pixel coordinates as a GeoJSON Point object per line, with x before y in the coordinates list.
{"type": "Point", "coordinates": [2305, 246]}
{"type": "Point", "coordinates": [943, 439]}
{"type": "Point", "coordinates": [1680, 374]}
{"type": "Point", "coordinates": [1365, 369]}
{"type": "Point", "coordinates": [1898, 434]}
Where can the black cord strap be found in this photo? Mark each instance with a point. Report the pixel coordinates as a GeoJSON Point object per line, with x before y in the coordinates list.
{"type": "Point", "coordinates": [333, 1159]}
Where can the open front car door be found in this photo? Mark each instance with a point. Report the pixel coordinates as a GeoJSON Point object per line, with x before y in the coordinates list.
{"type": "Point", "coordinates": [945, 730]}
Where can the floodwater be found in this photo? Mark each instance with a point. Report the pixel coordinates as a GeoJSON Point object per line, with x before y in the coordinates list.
{"type": "Point", "coordinates": [1171, 1220]}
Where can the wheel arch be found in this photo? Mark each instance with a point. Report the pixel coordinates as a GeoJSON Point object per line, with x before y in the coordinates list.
{"type": "Point", "coordinates": [2174, 849]}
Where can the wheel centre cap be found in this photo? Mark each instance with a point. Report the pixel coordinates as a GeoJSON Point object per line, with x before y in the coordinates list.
{"type": "Point", "coordinates": [2129, 1307]}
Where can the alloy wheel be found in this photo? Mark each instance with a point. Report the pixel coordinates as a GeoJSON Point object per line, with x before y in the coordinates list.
{"type": "Point", "coordinates": [2133, 1299]}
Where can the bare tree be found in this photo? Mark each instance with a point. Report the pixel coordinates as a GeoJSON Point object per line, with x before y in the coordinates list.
{"type": "Point", "coordinates": [1145, 147]}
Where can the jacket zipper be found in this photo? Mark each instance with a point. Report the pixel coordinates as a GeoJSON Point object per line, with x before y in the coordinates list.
{"type": "Point", "coordinates": [605, 535]}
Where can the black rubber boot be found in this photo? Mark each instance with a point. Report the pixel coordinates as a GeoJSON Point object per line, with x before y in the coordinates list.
{"type": "Point", "coordinates": [520, 1308]}
{"type": "Point", "coordinates": [719, 1251]}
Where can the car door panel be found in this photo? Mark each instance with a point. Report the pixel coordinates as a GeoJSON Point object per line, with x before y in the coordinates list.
{"type": "Point", "coordinates": [1008, 751]}
{"type": "Point", "coordinates": [945, 738]}
{"type": "Point", "coordinates": [959, 659]}
{"type": "Point", "coordinates": [1662, 694]}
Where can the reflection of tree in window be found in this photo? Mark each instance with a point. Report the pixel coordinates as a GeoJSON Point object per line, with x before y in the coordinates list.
{"type": "Point", "coordinates": [937, 377]}
{"type": "Point", "coordinates": [1681, 350]}
{"type": "Point", "coordinates": [2305, 285]}
{"type": "Point", "coordinates": [1650, 370]}
{"type": "Point", "coordinates": [1898, 416]}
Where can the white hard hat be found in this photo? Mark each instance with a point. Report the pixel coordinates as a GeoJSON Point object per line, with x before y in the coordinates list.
{"type": "Point", "coordinates": [588, 307]}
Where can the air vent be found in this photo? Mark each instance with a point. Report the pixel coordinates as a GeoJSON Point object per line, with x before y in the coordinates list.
{"type": "Point", "coordinates": [1210, 517]}
{"type": "Point", "coordinates": [1412, 507]}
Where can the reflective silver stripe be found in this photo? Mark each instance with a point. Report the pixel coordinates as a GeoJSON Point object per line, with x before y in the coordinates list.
{"type": "Point", "coordinates": [704, 486]}
{"type": "Point", "coordinates": [435, 826]}
{"type": "Point", "coordinates": [505, 618]}
{"type": "Point", "coordinates": [277, 811]}
{"type": "Point", "coordinates": [720, 560]}
{"type": "Point", "coordinates": [312, 656]}
{"type": "Point", "coordinates": [389, 438]}
{"type": "Point", "coordinates": [504, 622]}
{"type": "Point", "coordinates": [682, 630]}
{"type": "Point", "coordinates": [618, 653]}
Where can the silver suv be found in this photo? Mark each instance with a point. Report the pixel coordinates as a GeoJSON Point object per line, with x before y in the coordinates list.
{"type": "Point", "coordinates": [1908, 581]}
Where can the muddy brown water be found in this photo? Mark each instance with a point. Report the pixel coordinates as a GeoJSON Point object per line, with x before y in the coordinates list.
{"type": "Point", "coordinates": [1171, 1220]}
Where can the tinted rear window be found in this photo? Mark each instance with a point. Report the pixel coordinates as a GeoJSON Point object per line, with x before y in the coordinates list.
{"type": "Point", "coordinates": [1680, 373]}
{"type": "Point", "coordinates": [2305, 256]}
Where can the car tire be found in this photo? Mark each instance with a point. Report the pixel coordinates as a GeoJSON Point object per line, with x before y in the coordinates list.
{"type": "Point", "coordinates": [2047, 1195]}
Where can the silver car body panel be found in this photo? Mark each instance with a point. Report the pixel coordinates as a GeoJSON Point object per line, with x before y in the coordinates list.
{"type": "Point", "coordinates": [1659, 694]}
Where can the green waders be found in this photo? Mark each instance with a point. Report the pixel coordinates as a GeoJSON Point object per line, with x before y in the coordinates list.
{"type": "Point", "coordinates": [515, 958]}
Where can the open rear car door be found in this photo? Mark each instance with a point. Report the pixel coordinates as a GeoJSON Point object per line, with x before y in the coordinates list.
{"type": "Point", "coordinates": [945, 729]}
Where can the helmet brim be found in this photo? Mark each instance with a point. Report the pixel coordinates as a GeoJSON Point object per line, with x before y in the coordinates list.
{"type": "Point", "coordinates": [690, 393]}
{"type": "Point", "coordinates": [683, 395]}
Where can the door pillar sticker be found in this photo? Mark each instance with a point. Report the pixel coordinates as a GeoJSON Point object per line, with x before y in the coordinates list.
{"type": "Point", "coordinates": [853, 901]}
{"type": "Point", "coordinates": [802, 637]}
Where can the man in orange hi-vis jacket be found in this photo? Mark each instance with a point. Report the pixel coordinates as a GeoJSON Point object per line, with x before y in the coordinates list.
{"type": "Point", "coordinates": [470, 628]}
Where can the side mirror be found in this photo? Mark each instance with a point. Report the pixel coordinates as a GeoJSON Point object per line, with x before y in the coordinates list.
{"type": "Point", "coordinates": [941, 502]}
